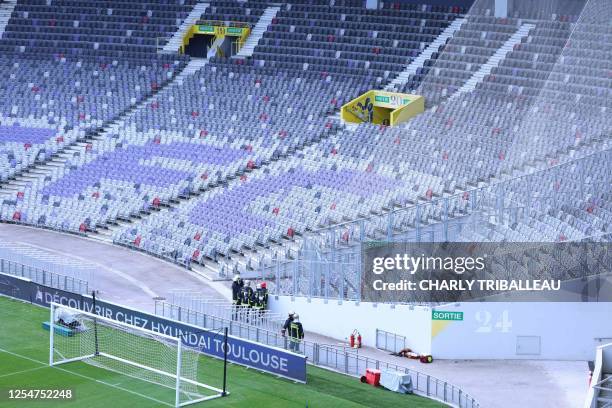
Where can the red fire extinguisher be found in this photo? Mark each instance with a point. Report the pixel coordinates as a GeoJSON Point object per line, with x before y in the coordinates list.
{"type": "Point", "coordinates": [355, 339]}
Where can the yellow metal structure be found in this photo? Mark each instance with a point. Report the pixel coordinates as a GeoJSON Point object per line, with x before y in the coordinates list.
{"type": "Point", "coordinates": [218, 29]}
{"type": "Point", "coordinates": [383, 108]}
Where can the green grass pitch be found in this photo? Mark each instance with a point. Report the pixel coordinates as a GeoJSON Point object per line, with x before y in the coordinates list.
{"type": "Point", "coordinates": [24, 355]}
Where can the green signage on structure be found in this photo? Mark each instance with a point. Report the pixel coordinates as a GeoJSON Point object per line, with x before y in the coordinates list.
{"type": "Point", "coordinates": [234, 30]}
{"type": "Point", "coordinates": [441, 315]}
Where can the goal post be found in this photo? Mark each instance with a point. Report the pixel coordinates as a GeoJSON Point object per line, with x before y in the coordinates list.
{"type": "Point", "coordinates": [144, 355]}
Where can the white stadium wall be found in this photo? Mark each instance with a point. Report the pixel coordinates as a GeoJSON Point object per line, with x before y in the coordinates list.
{"type": "Point", "coordinates": [495, 330]}
{"type": "Point", "coordinates": [559, 331]}
{"type": "Point", "coordinates": [339, 320]}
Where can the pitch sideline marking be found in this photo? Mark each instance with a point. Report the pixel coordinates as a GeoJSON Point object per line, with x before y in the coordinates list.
{"type": "Point", "coordinates": [87, 377]}
{"type": "Point", "coordinates": [21, 371]}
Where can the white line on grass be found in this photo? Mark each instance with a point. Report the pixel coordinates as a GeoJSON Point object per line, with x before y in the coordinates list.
{"type": "Point", "coordinates": [21, 372]}
{"type": "Point", "coordinates": [86, 377]}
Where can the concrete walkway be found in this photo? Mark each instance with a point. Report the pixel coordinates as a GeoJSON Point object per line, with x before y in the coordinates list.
{"type": "Point", "coordinates": [124, 276]}
{"type": "Point", "coordinates": [497, 383]}
{"type": "Point", "coordinates": [133, 278]}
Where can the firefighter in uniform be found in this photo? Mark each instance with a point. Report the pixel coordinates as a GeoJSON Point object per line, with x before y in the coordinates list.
{"type": "Point", "coordinates": [237, 285]}
{"type": "Point", "coordinates": [248, 299]}
{"type": "Point", "coordinates": [261, 300]}
{"type": "Point", "coordinates": [262, 296]}
{"type": "Point", "coordinates": [296, 334]}
{"type": "Point", "coordinates": [287, 323]}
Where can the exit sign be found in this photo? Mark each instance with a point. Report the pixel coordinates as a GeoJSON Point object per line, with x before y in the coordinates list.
{"type": "Point", "coordinates": [381, 98]}
{"type": "Point", "coordinates": [234, 30]}
{"type": "Point", "coordinates": [440, 315]}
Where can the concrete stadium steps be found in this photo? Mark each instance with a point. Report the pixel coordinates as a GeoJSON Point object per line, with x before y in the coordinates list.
{"type": "Point", "coordinates": [495, 60]}
{"type": "Point", "coordinates": [257, 32]}
{"type": "Point", "coordinates": [248, 260]}
{"type": "Point", "coordinates": [175, 42]}
{"type": "Point", "coordinates": [193, 66]}
{"type": "Point", "coordinates": [419, 61]}
{"type": "Point", "coordinates": [105, 232]}
{"type": "Point", "coordinates": [6, 9]}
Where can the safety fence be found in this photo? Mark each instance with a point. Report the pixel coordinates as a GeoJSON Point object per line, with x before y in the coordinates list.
{"type": "Point", "coordinates": [225, 309]}
{"type": "Point", "coordinates": [341, 359]}
{"type": "Point", "coordinates": [389, 341]}
{"type": "Point", "coordinates": [327, 262]}
{"type": "Point", "coordinates": [43, 277]}
{"type": "Point", "coordinates": [48, 260]}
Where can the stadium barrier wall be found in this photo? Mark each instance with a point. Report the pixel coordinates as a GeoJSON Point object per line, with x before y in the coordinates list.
{"type": "Point", "coordinates": [496, 330]}
{"type": "Point", "coordinates": [341, 318]}
{"type": "Point", "coordinates": [523, 330]}
{"type": "Point", "coordinates": [273, 360]}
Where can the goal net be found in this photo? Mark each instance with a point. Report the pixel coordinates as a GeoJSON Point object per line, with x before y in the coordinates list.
{"type": "Point", "coordinates": [141, 354]}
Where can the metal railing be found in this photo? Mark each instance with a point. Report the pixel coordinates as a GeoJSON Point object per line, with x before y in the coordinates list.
{"type": "Point", "coordinates": [47, 260]}
{"type": "Point", "coordinates": [389, 341]}
{"type": "Point", "coordinates": [237, 46]}
{"type": "Point", "coordinates": [601, 378]}
{"type": "Point", "coordinates": [38, 275]}
{"type": "Point", "coordinates": [160, 43]}
{"type": "Point", "coordinates": [328, 261]}
{"type": "Point", "coordinates": [344, 360]}
{"type": "Point", "coordinates": [224, 309]}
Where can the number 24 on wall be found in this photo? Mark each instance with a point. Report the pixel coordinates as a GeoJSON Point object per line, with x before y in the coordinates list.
{"type": "Point", "coordinates": [485, 318]}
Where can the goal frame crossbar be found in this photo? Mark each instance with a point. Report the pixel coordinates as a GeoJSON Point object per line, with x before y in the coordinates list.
{"type": "Point", "coordinates": [176, 340]}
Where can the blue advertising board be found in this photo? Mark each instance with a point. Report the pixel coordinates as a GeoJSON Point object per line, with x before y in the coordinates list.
{"type": "Point", "coordinates": [240, 351]}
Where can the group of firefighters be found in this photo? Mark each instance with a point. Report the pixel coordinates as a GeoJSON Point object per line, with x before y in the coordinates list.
{"type": "Point", "coordinates": [244, 295]}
